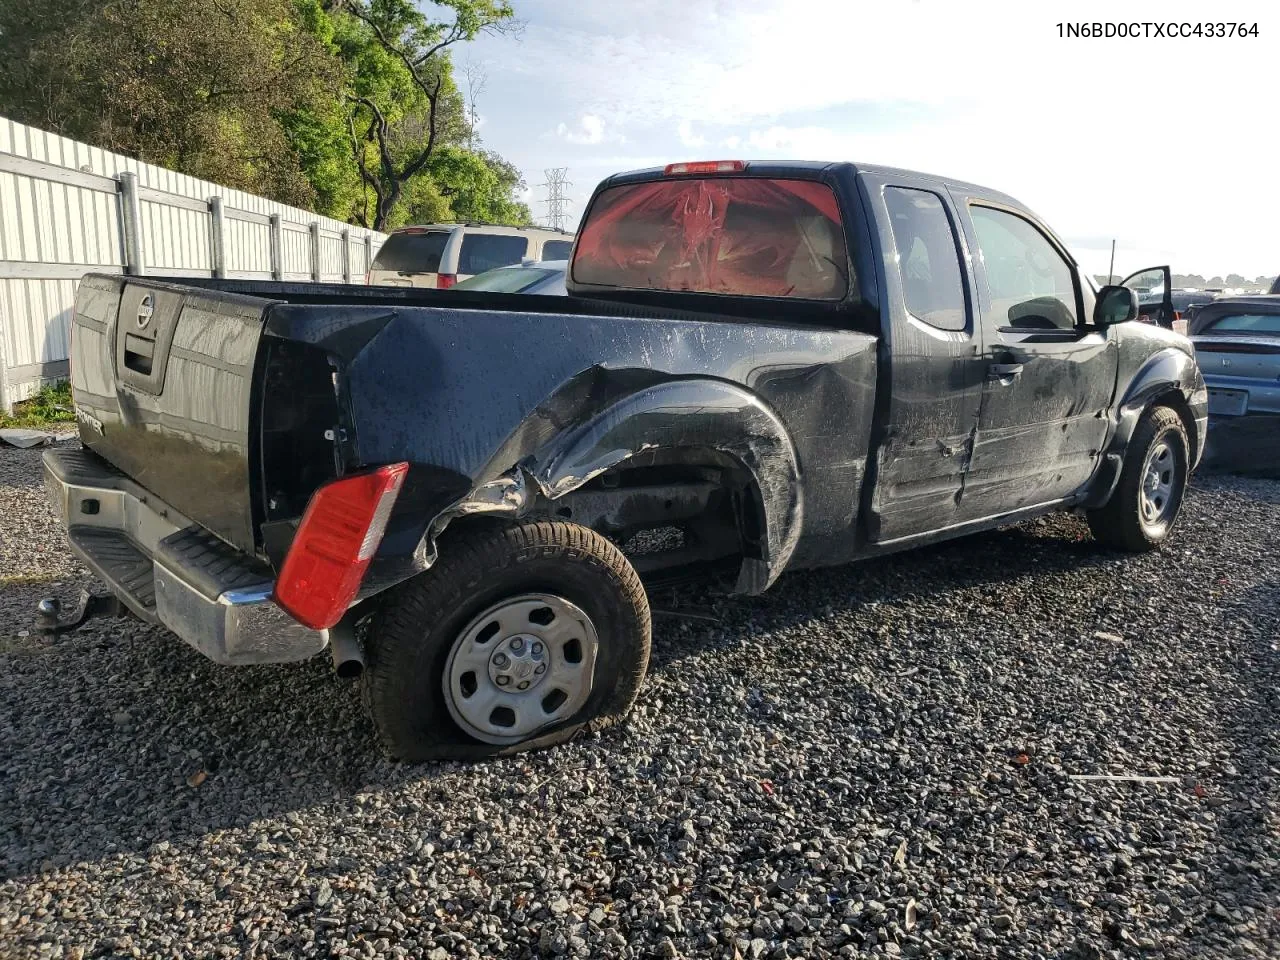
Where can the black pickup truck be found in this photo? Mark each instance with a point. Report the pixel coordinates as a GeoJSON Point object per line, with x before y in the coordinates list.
{"type": "Point", "coordinates": [759, 366]}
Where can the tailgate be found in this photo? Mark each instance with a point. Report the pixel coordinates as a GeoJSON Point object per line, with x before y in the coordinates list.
{"type": "Point", "coordinates": [162, 377]}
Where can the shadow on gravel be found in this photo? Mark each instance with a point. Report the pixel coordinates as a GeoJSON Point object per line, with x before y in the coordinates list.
{"type": "Point", "coordinates": [119, 739]}
{"type": "Point", "coordinates": [1244, 791]}
{"type": "Point", "coordinates": [21, 469]}
{"type": "Point", "coordinates": [985, 560]}
{"type": "Point", "coordinates": [111, 727]}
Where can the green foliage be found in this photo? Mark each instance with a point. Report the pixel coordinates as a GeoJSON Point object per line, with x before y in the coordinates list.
{"type": "Point", "coordinates": [478, 185]}
{"type": "Point", "coordinates": [49, 405]}
{"type": "Point", "coordinates": [340, 106]}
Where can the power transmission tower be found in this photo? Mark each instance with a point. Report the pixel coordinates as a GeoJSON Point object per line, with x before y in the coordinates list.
{"type": "Point", "coordinates": [557, 203]}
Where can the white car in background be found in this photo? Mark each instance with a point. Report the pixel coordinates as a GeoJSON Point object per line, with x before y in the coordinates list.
{"type": "Point", "coordinates": [442, 254]}
{"type": "Point", "coordinates": [545, 278]}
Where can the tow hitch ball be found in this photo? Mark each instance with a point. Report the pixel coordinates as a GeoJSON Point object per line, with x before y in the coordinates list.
{"type": "Point", "coordinates": [49, 620]}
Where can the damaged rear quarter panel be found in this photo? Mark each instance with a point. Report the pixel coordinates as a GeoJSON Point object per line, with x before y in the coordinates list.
{"type": "Point", "coordinates": [508, 399]}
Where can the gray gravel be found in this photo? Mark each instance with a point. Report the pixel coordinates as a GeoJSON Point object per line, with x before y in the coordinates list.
{"type": "Point", "coordinates": [874, 759]}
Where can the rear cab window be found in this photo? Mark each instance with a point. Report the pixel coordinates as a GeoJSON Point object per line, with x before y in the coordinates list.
{"type": "Point", "coordinates": [409, 252]}
{"type": "Point", "coordinates": [556, 249]}
{"type": "Point", "coordinates": [737, 236]}
{"type": "Point", "coordinates": [487, 251]}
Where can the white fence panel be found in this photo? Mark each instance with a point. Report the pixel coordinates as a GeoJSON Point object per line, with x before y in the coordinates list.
{"type": "Point", "coordinates": [67, 209]}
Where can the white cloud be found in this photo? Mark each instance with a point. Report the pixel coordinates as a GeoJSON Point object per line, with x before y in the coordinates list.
{"type": "Point", "coordinates": [732, 142]}
{"type": "Point", "coordinates": [684, 130]}
{"type": "Point", "coordinates": [589, 129]}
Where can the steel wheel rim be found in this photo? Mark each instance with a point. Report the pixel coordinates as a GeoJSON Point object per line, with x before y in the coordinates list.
{"type": "Point", "coordinates": [1159, 480]}
{"type": "Point", "coordinates": [492, 683]}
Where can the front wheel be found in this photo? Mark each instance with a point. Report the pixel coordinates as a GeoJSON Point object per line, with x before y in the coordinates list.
{"type": "Point", "coordinates": [1143, 507]}
{"type": "Point", "coordinates": [519, 637]}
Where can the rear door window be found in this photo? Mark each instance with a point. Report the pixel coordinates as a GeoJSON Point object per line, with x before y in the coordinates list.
{"type": "Point", "coordinates": [486, 251]}
{"type": "Point", "coordinates": [739, 236]}
{"type": "Point", "coordinates": [556, 249]}
{"type": "Point", "coordinates": [412, 252]}
{"type": "Point", "coordinates": [928, 258]}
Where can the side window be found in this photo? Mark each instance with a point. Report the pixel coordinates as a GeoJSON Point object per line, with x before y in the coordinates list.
{"type": "Point", "coordinates": [556, 249]}
{"type": "Point", "coordinates": [1031, 285]}
{"type": "Point", "coordinates": [485, 251]}
{"type": "Point", "coordinates": [928, 258]}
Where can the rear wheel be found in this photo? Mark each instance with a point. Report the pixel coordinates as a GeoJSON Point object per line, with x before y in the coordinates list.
{"type": "Point", "coordinates": [1145, 504]}
{"type": "Point", "coordinates": [521, 636]}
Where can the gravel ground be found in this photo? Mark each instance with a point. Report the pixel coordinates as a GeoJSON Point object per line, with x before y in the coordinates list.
{"type": "Point", "coordinates": [882, 758]}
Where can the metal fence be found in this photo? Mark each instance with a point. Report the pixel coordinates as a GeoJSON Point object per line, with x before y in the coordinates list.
{"type": "Point", "coordinates": [67, 209]}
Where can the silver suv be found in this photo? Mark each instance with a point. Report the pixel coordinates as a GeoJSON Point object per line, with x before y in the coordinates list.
{"type": "Point", "coordinates": [441, 254]}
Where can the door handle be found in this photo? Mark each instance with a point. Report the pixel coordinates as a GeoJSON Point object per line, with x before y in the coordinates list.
{"type": "Point", "coordinates": [1004, 372]}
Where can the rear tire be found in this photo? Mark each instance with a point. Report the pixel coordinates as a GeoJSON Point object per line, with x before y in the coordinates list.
{"type": "Point", "coordinates": [435, 658]}
{"type": "Point", "coordinates": [1153, 480]}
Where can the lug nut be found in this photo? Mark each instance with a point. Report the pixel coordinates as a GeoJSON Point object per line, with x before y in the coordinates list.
{"type": "Point", "coordinates": [500, 660]}
{"type": "Point", "coordinates": [503, 680]}
{"type": "Point", "coordinates": [537, 647]}
{"type": "Point", "coordinates": [517, 644]}
{"type": "Point", "coordinates": [524, 684]}
{"type": "Point", "coordinates": [540, 668]}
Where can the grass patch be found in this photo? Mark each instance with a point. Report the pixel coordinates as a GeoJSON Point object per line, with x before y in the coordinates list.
{"type": "Point", "coordinates": [48, 406]}
{"type": "Point", "coordinates": [26, 579]}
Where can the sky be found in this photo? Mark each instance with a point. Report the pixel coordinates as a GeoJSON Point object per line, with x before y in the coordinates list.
{"type": "Point", "coordinates": [1168, 146]}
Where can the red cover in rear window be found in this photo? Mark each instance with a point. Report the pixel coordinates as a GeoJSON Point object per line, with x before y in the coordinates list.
{"type": "Point", "coordinates": [730, 235]}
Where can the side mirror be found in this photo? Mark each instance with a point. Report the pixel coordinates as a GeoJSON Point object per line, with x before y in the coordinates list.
{"type": "Point", "coordinates": [1114, 305]}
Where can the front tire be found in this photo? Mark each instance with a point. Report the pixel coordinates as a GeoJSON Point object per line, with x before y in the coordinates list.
{"type": "Point", "coordinates": [1153, 480]}
{"type": "Point", "coordinates": [521, 636]}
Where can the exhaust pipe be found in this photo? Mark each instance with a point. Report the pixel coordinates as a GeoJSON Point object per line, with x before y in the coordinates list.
{"type": "Point", "coordinates": [348, 657]}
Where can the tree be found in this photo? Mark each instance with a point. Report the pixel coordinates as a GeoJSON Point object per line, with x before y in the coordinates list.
{"type": "Point", "coordinates": [194, 85]}
{"type": "Point", "coordinates": [1235, 280]}
{"type": "Point", "coordinates": [393, 138]}
{"type": "Point", "coordinates": [477, 79]}
{"type": "Point", "coordinates": [478, 186]}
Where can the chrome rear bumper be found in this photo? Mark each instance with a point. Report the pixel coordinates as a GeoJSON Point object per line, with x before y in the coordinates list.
{"type": "Point", "coordinates": [169, 571]}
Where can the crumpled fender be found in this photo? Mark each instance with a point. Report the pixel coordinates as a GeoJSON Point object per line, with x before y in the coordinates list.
{"type": "Point", "coordinates": [1165, 371]}
{"type": "Point", "coordinates": [690, 415]}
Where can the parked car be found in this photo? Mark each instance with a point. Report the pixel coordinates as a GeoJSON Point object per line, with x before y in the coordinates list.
{"type": "Point", "coordinates": [545, 278]}
{"type": "Point", "coordinates": [442, 254]}
{"type": "Point", "coordinates": [1275, 285]}
{"type": "Point", "coordinates": [779, 365]}
{"type": "Point", "coordinates": [1237, 341]}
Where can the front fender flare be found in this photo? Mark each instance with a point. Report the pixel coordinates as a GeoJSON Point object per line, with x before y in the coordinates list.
{"type": "Point", "coordinates": [1167, 371]}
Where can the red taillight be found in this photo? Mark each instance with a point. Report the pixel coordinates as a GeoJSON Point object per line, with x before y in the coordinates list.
{"type": "Point", "coordinates": [446, 280]}
{"type": "Point", "coordinates": [704, 166]}
{"type": "Point", "coordinates": [339, 535]}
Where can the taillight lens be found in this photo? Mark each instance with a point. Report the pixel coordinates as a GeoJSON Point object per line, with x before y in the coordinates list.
{"type": "Point", "coordinates": [339, 535]}
{"type": "Point", "coordinates": [446, 280]}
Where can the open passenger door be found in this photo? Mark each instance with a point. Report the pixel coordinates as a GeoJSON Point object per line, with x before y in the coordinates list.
{"type": "Point", "coordinates": [1154, 287]}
